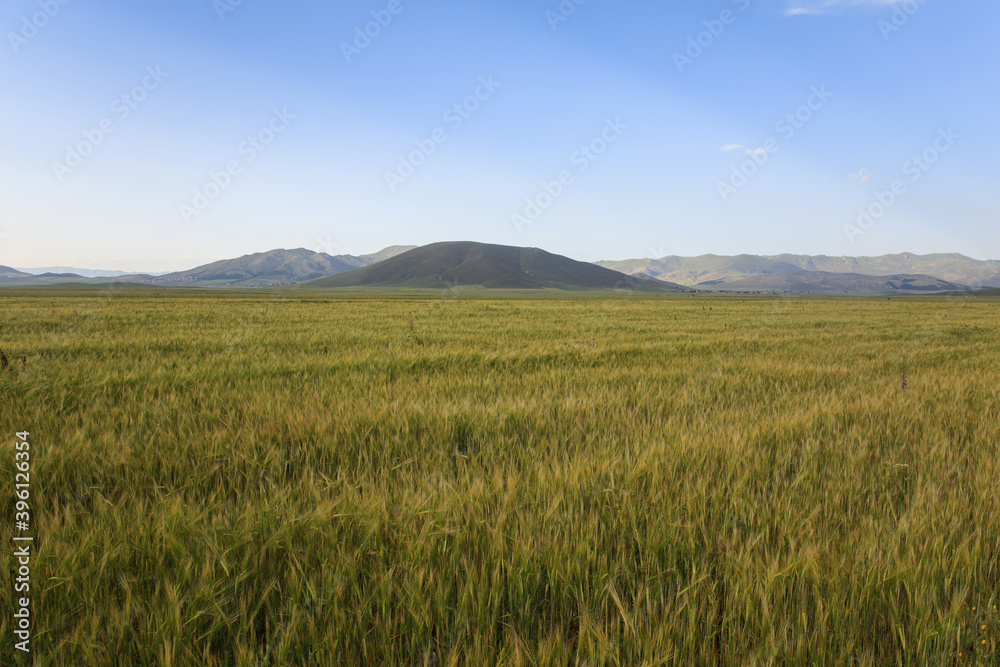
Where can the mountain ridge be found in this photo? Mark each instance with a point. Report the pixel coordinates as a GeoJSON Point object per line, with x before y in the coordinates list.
{"type": "Point", "coordinates": [782, 273]}
{"type": "Point", "coordinates": [719, 271]}
{"type": "Point", "coordinates": [274, 267]}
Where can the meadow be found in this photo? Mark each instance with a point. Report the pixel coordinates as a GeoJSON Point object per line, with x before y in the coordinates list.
{"type": "Point", "coordinates": [311, 478]}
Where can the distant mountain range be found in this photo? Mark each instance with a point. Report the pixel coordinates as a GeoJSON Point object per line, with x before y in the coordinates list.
{"type": "Point", "coordinates": [14, 277]}
{"type": "Point", "coordinates": [444, 265]}
{"type": "Point", "coordinates": [86, 273]}
{"type": "Point", "coordinates": [761, 272]}
{"type": "Point", "coordinates": [824, 282]}
{"type": "Point", "coordinates": [266, 269]}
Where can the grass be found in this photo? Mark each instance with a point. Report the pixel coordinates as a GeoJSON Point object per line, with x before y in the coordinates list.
{"type": "Point", "coordinates": [306, 478]}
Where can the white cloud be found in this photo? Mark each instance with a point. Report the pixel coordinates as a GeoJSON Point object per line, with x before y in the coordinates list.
{"type": "Point", "coordinates": [805, 7]}
{"type": "Point", "coordinates": [741, 147]}
{"type": "Point", "coordinates": [861, 176]}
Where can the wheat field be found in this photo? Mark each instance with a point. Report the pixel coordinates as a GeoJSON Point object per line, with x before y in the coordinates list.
{"type": "Point", "coordinates": [309, 478]}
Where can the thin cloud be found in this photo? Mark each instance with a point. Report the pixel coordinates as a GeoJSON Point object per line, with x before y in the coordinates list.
{"type": "Point", "coordinates": [862, 176]}
{"type": "Point", "coordinates": [741, 147]}
{"type": "Point", "coordinates": [813, 7]}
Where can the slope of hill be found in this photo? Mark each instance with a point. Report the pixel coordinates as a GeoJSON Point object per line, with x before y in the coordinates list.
{"type": "Point", "coordinates": [85, 273]}
{"type": "Point", "coordinates": [13, 278]}
{"type": "Point", "coordinates": [704, 269]}
{"type": "Point", "coordinates": [263, 269]}
{"type": "Point", "coordinates": [7, 272]}
{"type": "Point", "coordinates": [442, 265]}
{"type": "Point", "coordinates": [824, 282]}
{"type": "Point", "coordinates": [953, 267]}
{"type": "Point", "coordinates": [276, 267]}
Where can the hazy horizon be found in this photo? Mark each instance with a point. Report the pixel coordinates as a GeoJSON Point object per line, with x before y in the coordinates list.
{"type": "Point", "coordinates": [184, 266]}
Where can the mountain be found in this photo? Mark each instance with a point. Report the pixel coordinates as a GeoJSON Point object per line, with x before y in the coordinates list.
{"type": "Point", "coordinates": [277, 267]}
{"type": "Point", "coordinates": [951, 267]}
{"type": "Point", "coordinates": [521, 268]}
{"type": "Point", "coordinates": [706, 269]}
{"type": "Point", "coordinates": [7, 273]}
{"type": "Point", "coordinates": [13, 278]}
{"type": "Point", "coordinates": [825, 282]}
{"type": "Point", "coordinates": [445, 265]}
{"type": "Point", "coordinates": [85, 273]}
{"type": "Point", "coordinates": [722, 272]}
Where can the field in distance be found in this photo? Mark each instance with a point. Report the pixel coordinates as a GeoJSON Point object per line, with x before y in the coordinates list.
{"type": "Point", "coordinates": [292, 478]}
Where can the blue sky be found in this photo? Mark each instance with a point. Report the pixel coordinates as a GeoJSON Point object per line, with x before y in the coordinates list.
{"type": "Point", "coordinates": [594, 130]}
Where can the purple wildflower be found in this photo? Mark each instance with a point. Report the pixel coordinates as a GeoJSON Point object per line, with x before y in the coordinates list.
{"type": "Point", "coordinates": [904, 382]}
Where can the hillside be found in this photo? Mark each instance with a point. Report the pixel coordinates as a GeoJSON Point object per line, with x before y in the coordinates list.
{"type": "Point", "coordinates": [7, 273]}
{"type": "Point", "coordinates": [276, 267]}
{"type": "Point", "coordinates": [951, 267]}
{"type": "Point", "coordinates": [442, 265]}
{"type": "Point", "coordinates": [823, 282]}
{"type": "Point", "coordinates": [84, 273]}
{"type": "Point", "coordinates": [718, 270]}
{"type": "Point", "coordinates": [702, 270]}
{"type": "Point", "coordinates": [263, 269]}
{"type": "Point", "coordinates": [10, 277]}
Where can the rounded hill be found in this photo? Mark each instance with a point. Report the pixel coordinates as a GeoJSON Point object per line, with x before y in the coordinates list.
{"type": "Point", "coordinates": [465, 263]}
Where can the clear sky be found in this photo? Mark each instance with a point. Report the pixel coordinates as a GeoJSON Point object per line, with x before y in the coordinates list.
{"type": "Point", "coordinates": [160, 135]}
